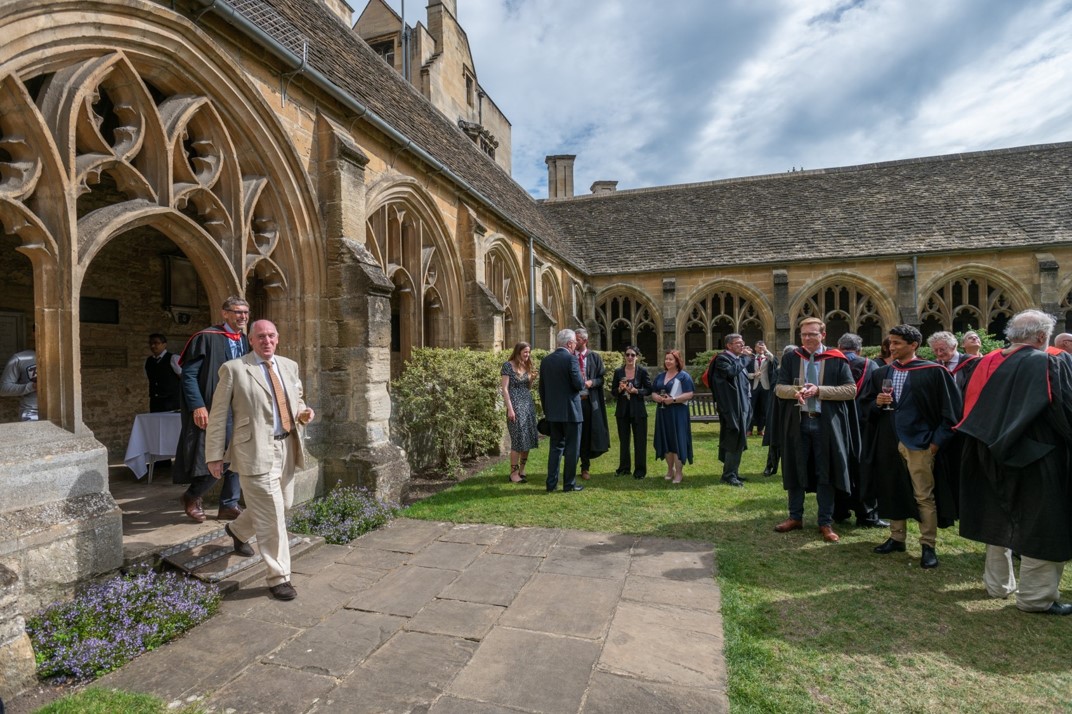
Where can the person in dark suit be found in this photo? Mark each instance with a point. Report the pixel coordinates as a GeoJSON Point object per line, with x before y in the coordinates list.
{"type": "Point", "coordinates": [561, 383]}
{"type": "Point", "coordinates": [630, 385]}
{"type": "Point", "coordinates": [264, 392]}
{"type": "Point", "coordinates": [595, 433]}
{"type": "Point", "coordinates": [907, 426]}
{"type": "Point", "coordinates": [163, 371]}
{"type": "Point", "coordinates": [729, 380]}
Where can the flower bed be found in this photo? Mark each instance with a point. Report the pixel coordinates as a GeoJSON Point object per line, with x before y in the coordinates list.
{"type": "Point", "coordinates": [342, 515]}
{"type": "Point", "coordinates": [109, 624]}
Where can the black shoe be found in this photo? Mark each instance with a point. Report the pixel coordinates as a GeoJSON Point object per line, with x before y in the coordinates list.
{"type": "Point", "coordinates": [929, 559]}
{"type": "Point", "coordinates": [621, 472]}
{"type": "Point", "coordinates": [639, 476]}
{"type": "Point", "coordinates": [872, 523]}
{"type": "Point", "coordinates": [283, 591]}
{"type": "Point", "coordinates": [1058, 608]}
{"type": "Point", "coordinates": [890, 546]}
{"type": "Point", "coordinates": [239, 547]}
{"type": "Point", "coordinates": [572, 488]}
{"type": "Point", "coordinates": [768, 472]}
{"type": "Point", "coordinates": [733, 481]}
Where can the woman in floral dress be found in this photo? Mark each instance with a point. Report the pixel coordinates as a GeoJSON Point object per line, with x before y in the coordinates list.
{"type": "Point", "coordinates": [518, 376]}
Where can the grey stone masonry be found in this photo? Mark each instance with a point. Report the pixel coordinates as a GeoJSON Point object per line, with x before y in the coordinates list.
{"type": "Point", "coordinates": [441, 618]}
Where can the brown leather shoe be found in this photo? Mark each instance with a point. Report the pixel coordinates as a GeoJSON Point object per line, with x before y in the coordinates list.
{"type": "Point", "coordinates": [227, 513]}
{"type": "Point", "coordinates": [283, 591]}
{"type": "Point", "coordinates": [239, 547]}
{"type": "Point", "coordinates": [829, 535]}
{"type": "Point", "coordinates": [789, 524]}
{"type": "Point", "coordinates": [585, 475]}
{"type": "Point", "coordinates": [193, 509]}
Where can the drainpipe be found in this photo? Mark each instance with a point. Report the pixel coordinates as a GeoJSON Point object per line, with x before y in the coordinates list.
{"type": "Point", "coordinates": [229, 14]}
{"type": "Point", "coordinates": [532, 293]}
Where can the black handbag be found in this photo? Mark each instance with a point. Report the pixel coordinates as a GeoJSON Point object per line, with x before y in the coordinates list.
{"type": "Point", "coordinates": [543, 426]}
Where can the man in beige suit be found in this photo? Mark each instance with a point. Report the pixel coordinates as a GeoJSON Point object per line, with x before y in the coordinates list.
{"type": "Point", "coordinates": [264, 393]}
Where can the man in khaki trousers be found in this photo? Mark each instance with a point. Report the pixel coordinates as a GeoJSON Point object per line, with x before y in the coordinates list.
{"type": "Point", "coordinates": [264, 394]}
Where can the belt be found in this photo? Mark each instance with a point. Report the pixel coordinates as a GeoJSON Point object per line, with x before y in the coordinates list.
{"type": "Point", "coordinates": [811, 415]}
{"type": "Point", "coordinates": [584, 396]}
{"type": "Point", "coordinates": [280, 437]}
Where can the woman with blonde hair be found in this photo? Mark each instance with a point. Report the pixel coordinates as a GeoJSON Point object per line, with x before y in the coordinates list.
{"type": "Point", "coordinates": [518, 376]}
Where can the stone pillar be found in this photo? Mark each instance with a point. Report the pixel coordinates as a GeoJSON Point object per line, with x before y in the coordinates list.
{"type": "Point", "coordinates": [669, 313]}
{"type": "Point", "coordinates": [783, 331]}
{"type": "Point", "coordinates": [1047, 297]}
{"type": "Point", "coordinates": [906, 295]}
{"type": "Point", "coordinates": [560, 176]}
{"type": "Point", "coordinates": [17, 666]}
{"type": "Point", "coordinates": [595, 338]}
{"type": "Point", "coordinates": [353, 439]}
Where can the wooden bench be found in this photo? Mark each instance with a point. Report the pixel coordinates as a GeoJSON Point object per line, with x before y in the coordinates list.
{"type": "Point", "coordinates": [702, 407]}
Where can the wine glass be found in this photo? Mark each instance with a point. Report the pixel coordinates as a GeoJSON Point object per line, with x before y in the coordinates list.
{"type": "Point", "coordinates": [798, 387]}
{"type": "Point", "coordinates": [887, 388]}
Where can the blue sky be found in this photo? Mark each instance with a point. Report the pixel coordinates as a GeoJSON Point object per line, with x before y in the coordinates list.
{"type": "Point", "coordinates": [676, 91]}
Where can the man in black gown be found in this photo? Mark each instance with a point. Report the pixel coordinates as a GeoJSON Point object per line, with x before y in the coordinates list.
{"type": "Point", "coordinates": [595, 433]}
{"type": "Point", "coordinates": [862, 499]}
{"type": "Point", "coordinates": [729, 381]}
{"type": "Point", "coordinates": [201, 360]}
{"type": "Point", "coordinates": [905, 431]}
{"type": "Point", "coordinates": [1015, 485]}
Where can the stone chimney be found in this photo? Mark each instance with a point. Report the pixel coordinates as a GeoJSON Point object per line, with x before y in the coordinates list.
{"type": "Point", "coordinates": [560, 176]}
{"type": "Point", "coordinates": [604, 187]}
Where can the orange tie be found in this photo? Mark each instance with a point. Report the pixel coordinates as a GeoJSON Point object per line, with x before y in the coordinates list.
{"type": "Point", "coordinates": [280, 399]}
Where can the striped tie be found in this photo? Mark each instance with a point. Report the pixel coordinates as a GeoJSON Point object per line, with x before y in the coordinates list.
{"type": "Point", "coordinates": [280, 399]}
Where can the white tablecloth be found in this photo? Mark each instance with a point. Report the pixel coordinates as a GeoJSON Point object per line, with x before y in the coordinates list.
{"type": "Point", "coordinates": [153, 437]}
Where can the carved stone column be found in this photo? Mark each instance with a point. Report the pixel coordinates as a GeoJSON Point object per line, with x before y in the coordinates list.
{"type": "Point", "coordinates": [669, 309]}
{"type": "Point", "coordinates": [1048, 299]}
{"type": "Point", "coordinates": [906, 295]}
{"type": "Point", "coordinates": [783, 331]}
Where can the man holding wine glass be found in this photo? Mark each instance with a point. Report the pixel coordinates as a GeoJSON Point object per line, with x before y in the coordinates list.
{"type": "Point", "coordinates": [911, 407]}
{"type": "Point", "coordinates": [815, 427]}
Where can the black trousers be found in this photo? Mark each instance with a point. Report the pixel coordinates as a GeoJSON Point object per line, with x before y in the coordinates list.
{"type": "Point", "coordinates": [639, 430]}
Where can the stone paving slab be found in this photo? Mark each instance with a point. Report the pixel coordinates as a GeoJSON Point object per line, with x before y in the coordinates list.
{"type": "Point", "coordinates": [450, 619]}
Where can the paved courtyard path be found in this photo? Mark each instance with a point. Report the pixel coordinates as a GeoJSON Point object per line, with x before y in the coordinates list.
{"type": "Point", "coordinates": [444, 618]}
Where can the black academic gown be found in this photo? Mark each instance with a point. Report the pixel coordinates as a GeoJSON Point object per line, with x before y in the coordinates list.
{"type": "Point", "coordinates": [1015, 482]}
{"type": "Point", "coordinates": [595, 434]}
{"type": "Point", "coordinates": [839, 425]}
{"type": "Point", "coordinates": [208, 349]}
{"type": "Point", "coordinates": [931, 397]}
{"type": "Point", "coordinates": [728, 378]}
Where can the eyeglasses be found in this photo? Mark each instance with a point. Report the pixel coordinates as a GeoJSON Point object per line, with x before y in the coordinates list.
{"type": "Point", "coordinates": [811, 334]}
{"type": "Point", "coordinates": [630, 354]}
{"type": "Point", "coordinates": [237, 312]}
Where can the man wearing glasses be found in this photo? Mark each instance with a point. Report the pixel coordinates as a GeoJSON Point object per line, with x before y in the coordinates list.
{"type": "Point", "coordinates": [201, 360]}
{"type": "Point", "coordinates": [816, 427]}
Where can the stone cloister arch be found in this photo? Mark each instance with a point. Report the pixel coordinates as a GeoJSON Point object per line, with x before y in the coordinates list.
{"type": "Point", "coordinates": [140, 121]}
{"type": "Point", "coordinates": [408, 239]}
{"type": "Point", "coordinates": [627, 316]}
{"type": "Point", "coordinates": [552, 302]}
{"type": "Point", "coordinates": [971, 297]}
{"type": "Point", "coordinates": [719, 308]}
{"type": "Point", "coordinates": [505, 279]}
{"type": "Point", "coordinates": [846, 303]}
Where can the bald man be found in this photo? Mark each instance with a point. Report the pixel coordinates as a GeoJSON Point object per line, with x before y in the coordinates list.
{"type": "Point", "coordinates": [1063, 341]}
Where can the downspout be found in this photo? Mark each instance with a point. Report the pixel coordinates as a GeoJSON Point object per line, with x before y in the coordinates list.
{"type": "Point", "coordinates": [532, 292]}
{"type": "Point", "coordinates": [915, 289]}
{"type": "Point", "coordinates": [230, 15]}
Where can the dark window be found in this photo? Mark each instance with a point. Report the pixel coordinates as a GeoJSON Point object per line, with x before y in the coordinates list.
{"type": "Point", "coordinates": [386, 50]}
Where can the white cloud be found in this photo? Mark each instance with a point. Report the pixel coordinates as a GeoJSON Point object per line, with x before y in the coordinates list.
{"type": "Point", "coordinates": [692, 90]}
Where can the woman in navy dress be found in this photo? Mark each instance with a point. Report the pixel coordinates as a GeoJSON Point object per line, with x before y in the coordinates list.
{"type": "Point", "coordinates": [673, 434]}
{"type": "Point", "coordinates": [517, 378]}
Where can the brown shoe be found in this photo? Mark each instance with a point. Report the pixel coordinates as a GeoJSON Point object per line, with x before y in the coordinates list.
{"type": "Point", "coordinates": [789, 524]}
{"type": "Point", "coordinates": [829, 535]}
{"type": "Point", "coordinates": [192, 506]}
{"type": "Point", "coordinates": [585, 475]}
{"type": "Point", "coordinates": [227, 513]}
{"type": "Point", "coordinates": [283, 591]}
{"type": "Point", "coordinates": [240, 547]}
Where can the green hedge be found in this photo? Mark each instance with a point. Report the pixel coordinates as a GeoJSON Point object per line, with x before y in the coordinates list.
{"type": "Point", "coordinates": [447, 406]}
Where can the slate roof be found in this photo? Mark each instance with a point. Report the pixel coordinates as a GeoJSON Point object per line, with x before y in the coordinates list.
{"type": "Point", "coordinates": [339, 54]}
{"type": "Point", "coordinates": [1007, 198]}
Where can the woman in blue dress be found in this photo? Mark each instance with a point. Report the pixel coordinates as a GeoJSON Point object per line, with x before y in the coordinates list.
{"type": "Point", "coordinates": [673, 434]}
{"type": "Point", "coordinates": [518, 376]}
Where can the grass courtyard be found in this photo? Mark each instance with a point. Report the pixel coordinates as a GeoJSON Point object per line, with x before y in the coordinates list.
{"type": "Point", "coordinates": [809, 626]}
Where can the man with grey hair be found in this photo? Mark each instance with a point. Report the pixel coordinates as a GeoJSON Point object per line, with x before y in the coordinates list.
{"type": "Point", "coordinates": [862, 497]}
{"type": "Point", "coordinates": [560, 388]}
{"type": "Point", "coordinates": [958, 364]}
{"type": "Point", "coordinates": [1063, 342]}
{"type": "Point", "coordinates": [1014, 476]}
{"type": "Point", "coordinates": [728, 377]}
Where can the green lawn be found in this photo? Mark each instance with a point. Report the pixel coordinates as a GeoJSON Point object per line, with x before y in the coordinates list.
{"type": "Point", "coordinates": [809, 626]}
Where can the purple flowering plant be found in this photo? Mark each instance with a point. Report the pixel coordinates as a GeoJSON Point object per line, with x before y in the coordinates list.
{"type": "Point", "coordinates": [342, 515]}
{"type": "Point", "coordinates": [110, 623]}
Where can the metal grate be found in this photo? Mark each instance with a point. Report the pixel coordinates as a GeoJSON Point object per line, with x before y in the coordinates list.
{"type": "Point", "coordinates": [266, 18]}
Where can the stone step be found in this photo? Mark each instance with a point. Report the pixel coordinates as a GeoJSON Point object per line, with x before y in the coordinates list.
{"type": "Point", "coordinates": [211, 557]}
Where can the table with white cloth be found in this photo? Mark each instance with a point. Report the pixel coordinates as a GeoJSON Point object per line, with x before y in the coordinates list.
{"type": "Point", "coordinates": [153, 437]}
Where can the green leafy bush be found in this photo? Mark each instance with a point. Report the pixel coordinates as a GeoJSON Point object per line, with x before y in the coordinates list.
{"type": "Point", "coordinates": [342, 515]}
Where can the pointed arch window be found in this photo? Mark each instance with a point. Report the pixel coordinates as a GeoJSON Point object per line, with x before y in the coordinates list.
{"type": "Point", "coordinates": [966, 302]}
{"type": "Point", "coordinates": [625, 319]}
{"type": "Point", "coordinates": [844, 307]}
{"type": "Point", "coordinates": [717, 314]}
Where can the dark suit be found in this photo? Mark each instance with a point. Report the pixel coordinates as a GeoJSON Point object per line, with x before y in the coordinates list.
{"type": "Point", "coordinates": [560, 393]}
